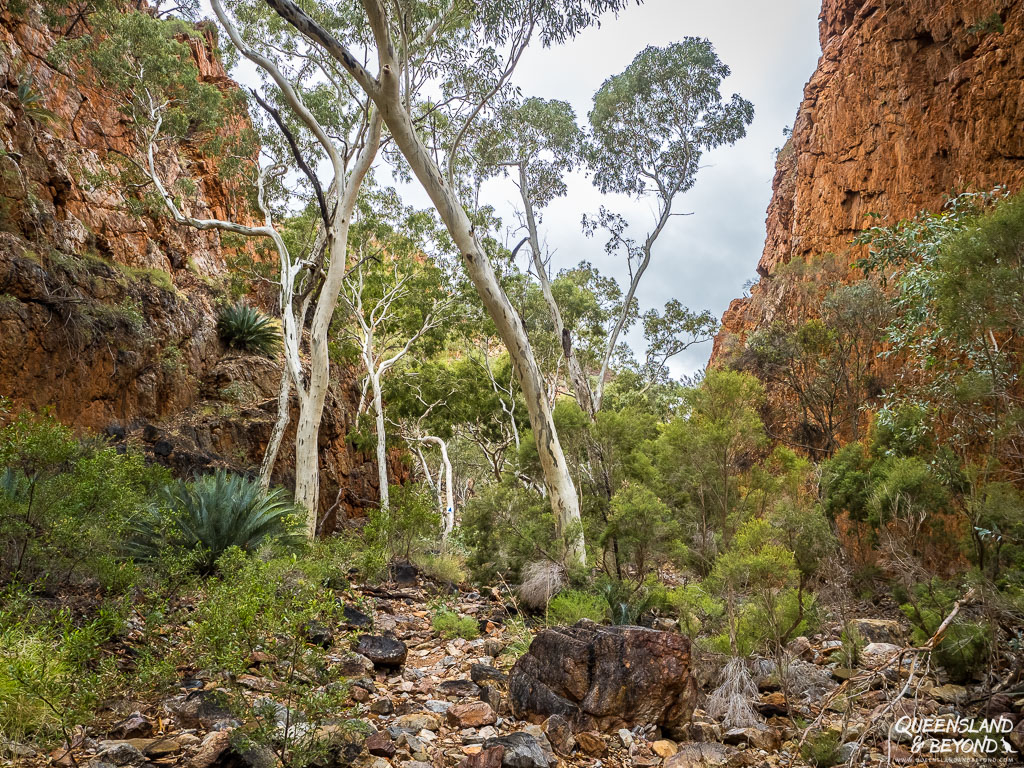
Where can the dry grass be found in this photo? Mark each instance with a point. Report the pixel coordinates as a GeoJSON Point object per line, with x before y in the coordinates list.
{"type": "Point", "coordinates": [541, 581]}
{"type": "Point", "coordinates": [733, 701]}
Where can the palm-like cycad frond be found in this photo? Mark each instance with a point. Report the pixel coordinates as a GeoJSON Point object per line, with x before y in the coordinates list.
{"type": "Point", "coordinates": [244, 327]}
{"type": "Point", "coordinates": [213, 513]}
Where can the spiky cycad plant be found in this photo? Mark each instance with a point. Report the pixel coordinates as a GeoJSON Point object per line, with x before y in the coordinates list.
{"type": "Point", "coordinates": [246, 328]}
{"type": "Point", "coordinates": [213, 513]}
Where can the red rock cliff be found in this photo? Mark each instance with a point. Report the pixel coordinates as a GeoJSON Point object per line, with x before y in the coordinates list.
{"type": "Point", "coordinates": [911, 100]}
{"type": "Point", "coordinates": [108, 316]}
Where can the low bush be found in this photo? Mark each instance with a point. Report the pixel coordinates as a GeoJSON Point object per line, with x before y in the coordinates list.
{"type": "Point", "coordinates": [822, 749]}
{"type": "Point", "coordinates": [449, 625]}
{"type": "Point", "coordinates": [964, 647]}
{"type": "Point", "coordinates": [444, 567]}
{"type": "Point", "coordinates": [568, 607]}
{"type": "Point", "coordinates": [54, 672]}
{"type": "Point", "coordinates": [273, 605]}
{"type": "Point", "coordinates": [246, 328]}
{"type": "Point", "coordinates": [65, 504]}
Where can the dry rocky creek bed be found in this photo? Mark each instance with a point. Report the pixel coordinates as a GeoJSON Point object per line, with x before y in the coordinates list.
{"type": "Point", "coordinates": [584, 696]}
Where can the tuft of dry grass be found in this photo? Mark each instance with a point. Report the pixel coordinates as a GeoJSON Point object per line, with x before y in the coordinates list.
{"type": "Point", "coordinates": [542, 580]}
{"type": "Point", "coordinates": [732, 702]}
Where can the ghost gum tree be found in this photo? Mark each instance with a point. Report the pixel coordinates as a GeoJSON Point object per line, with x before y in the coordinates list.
{"type": "Point", "coordinates": [651, 125]}
{"type": "Point", "coordinates": [312, 120]}
{"type": "Point", "coordinates": [472, 49]}
{"type": "Point", "coordinates": [397, 295]}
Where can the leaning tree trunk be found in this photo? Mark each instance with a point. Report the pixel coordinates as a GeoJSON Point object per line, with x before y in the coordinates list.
{"type": "Point", "coordinates": [386, 94]}
{"type": "Point", "coordinates": [564, 503]}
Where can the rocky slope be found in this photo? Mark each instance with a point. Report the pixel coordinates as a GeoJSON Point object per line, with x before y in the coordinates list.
{"type": "Point", "coordinates": [427, 702]}
{"type": "Point", "coordinates": [911, 100]}
{"type": "Point", "coordinates": [108, 315]}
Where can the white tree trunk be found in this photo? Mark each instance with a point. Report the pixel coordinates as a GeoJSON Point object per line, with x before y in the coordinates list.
{"type": "Point", "coordinates": [448, 513]}
{"type": "Point", "coordinates": [382, 448]}
{"type": "Point", "coordinates": [577, 377]}
{"type": "Point", "coordinates": [386, 94]}
{"type": "Point", "coordinates": [277, 434]}
{"type": "Point", "coordinates": [564, 503]}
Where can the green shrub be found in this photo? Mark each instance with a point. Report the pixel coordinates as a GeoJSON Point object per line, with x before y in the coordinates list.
{"type": "Point", "coordinates": [54, 672]}
{"type": "Point", "coordinates": [449, 625]}
{"type": "Point", "coordinates": [65, 504]}
{"type": "Point", "coordinates": [568, 607]}
{"type": "Point", "coordinates": [822, 749]}
{"type": "Point", "coordinates": [626, 603]}
{"type": "Point", "coordinates": [403, 529]}
{"type": "Point", "coordinates": [694, 607]}
{"type": "Point", "coordinates": [246, 328]}
{"type": "Point", "coordinates": [853, 643]}
{"type": "Point", "coordinates": [213, 513]}
{"type": "Point", "coordinates": [518, 638]}
{"type": "Point", "coordinates": [270, 606]}
{"type": "Point", "coordinates": [445, 567]}
{"type": "Point", "coordinates": [964, 647]}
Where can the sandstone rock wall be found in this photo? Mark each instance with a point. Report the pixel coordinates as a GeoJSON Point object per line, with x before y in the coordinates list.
{"type": "Point", "coordinates": [911, 100]}
{"type": "Point", "coordinates": [108, 316]}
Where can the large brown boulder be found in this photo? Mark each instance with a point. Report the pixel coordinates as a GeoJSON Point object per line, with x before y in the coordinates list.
{"type": "Point", "coordinates": [605, 678]}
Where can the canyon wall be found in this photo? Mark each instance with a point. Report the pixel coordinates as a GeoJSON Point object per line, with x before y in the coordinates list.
{"type": "Point", "coordinates": [912, 100]}
{"type": "Point", "coordinates": [108, 312]}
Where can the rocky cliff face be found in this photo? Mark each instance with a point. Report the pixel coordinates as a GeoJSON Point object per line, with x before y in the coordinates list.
{"type": "Point", "coordinates": [108, 315]}
{"type": "Point", "coordinates": [911, 100]}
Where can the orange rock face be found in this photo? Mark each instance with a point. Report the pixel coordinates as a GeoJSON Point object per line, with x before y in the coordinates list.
{"type": "Point", "coordinates": [107, 315]}
{"type": "Point", "coordinates": [912, 100]}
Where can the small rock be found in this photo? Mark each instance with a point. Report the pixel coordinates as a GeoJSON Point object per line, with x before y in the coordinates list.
{"type": "Point", "coordinates": [122, 753]}
{"type": "Point", "coordinates": [772, 704]}
{"type": "Point", "coordinates": [354, 665]}
{"type": "Point", "coordinates": [200, 708]}
{"type": "Point", "coordinates": [700, 755]}
{"type": "Point", "coordinates": [521, 751]}
{"type": "Point", "coordinates": [592, 743]}
{"type": "Point", "coordinates": [459, 688]}
{"type": "Point", "coordinates": [874, 653]}
{"type": "Point", "coordinates": [382, 650]}
{"type": "Point", "coordinates": [559, 733]}
{"type": "Point", "coordinates": [471, 714]}
{"type": "Point", "coordinates": [438, 707]}
{"type": "Point", "coordinates": [211, 749]}
{"type": "Point", "coordinates": [626, 737]}
{"type": "Point", "coordinates": [949, 693]}
{"type": "Point", "coordinates": [664, 624]}
{"type": "Point", "coordinates": [356, 618]}
{"type": "Point", "coordinates": [495, 698]}
{"type": "Point", "coordinates": [382, 707]}
{"type": "Point", "coordinates": [132, 727]}
{"type": "Point", "coordinates": [704, 731]}
{"type": "Point", "coordinates": [800, 648]}
{"type": "Point", "coordinates": [492, 757]}
{"type": "Point", "coordinates": [482, 674]}
{"type": "Point", "coordinates": [664, 748]}
{"type": "Point", "coordinates": [317, 634]}
{"type": "Point", "coordinates": [493, 647]}
{"type": "Point", "coordinates": [878, 630]}
{"type": "Point", "coordinates": [415, 723]}
{"type": "Point", "coordinates": [404, 574]}
{"type": "Point", "coordinates": [759, 736]}
{"type": "Point", "coordinates": [381, 745]}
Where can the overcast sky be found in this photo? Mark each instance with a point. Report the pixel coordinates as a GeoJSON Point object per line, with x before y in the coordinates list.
{"type": "Point", "coordinates": [703, 260]}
